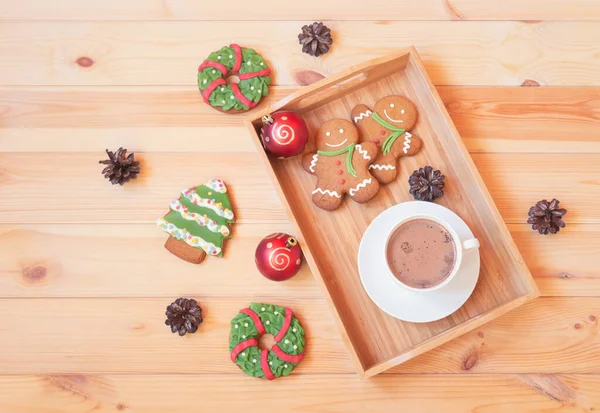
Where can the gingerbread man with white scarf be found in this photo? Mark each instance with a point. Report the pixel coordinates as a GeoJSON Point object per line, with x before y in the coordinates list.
{"type": "Point", "coordinates": [341, 165]}
{"type": "Point", "coordinates": [388, 127]}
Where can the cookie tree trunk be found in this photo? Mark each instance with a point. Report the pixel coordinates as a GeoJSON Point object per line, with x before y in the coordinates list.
{"type": "Point", "coordinates": [184, 251]}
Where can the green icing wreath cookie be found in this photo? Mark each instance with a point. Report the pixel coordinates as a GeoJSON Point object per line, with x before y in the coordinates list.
{"type": "Point", "coordinates": [250, 324]}
{"type": "Point", "coordinates": [245, 63]}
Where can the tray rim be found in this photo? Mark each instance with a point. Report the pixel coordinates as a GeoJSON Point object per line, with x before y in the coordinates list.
{"type": "Point", "coordinates": [447, 335]}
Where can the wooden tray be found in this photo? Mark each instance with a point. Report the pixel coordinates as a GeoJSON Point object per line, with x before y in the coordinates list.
{"type": "Point", "coordinates": [330, 240]}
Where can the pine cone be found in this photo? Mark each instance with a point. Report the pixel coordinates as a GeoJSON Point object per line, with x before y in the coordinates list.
{"type": "Point", "coordinates": [315, 39]}
{"type": "Point", "coordinates": [121, 167]}
{"type": "Point", "coordinates": [184, 316]}
{"type": "Point", "coordinates": [546, 217]}
{"type": "Point", "coordinates": [426, 184]}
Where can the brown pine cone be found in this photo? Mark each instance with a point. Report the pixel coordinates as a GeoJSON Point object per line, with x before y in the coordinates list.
{"type": "Point", "coordinates": [546, 217]}
{"type": "Point", "coordinates": [426, 184]}
{"type": "Point", "coordinates": [121, 167]}
{"type": "Point", "coordinates": [184, 316]}
{"type": "Point", "coordinates": [315, 39]}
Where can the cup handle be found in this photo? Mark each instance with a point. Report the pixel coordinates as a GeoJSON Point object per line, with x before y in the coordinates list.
{"type": "Point", "coordinates": [471, 244]}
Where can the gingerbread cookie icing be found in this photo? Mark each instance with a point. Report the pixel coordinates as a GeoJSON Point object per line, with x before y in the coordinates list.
{"type": "Point", "coordinates": [341, 165]}
{"type": "Point", "coordinates": [388, 127]}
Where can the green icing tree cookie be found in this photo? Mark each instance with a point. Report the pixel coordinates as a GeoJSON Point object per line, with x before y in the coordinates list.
{"type": "Point", "coordinates": [198, 222]}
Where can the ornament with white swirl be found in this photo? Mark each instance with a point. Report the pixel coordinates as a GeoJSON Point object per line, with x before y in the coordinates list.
{"type": "Point", "coordinates": [284, 134]}
{"type": "Point", "coordinates": [278, 257]}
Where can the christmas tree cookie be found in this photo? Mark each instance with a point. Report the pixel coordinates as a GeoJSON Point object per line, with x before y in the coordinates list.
{"type": "Point", "coordinates": [198, 222]}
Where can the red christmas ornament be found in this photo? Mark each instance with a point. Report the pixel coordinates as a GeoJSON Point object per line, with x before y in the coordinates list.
{"type": "Point", "coordinates": [284, 134]}
{"type": "Point", "coordinates": [278, 257]}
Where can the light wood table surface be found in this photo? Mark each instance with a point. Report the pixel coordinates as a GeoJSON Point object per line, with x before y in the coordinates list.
{"type": "Point", "coordinates": [84, 278]}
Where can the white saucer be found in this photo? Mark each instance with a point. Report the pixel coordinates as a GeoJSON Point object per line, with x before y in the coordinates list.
{"type": "Point", "coordinates": [400, 302]}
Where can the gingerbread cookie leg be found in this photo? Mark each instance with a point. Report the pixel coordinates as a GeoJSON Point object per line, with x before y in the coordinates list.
{"type": "Point", "coordinates": [326, 198]}
{"type": "Point", "coordinates": [384, 168]}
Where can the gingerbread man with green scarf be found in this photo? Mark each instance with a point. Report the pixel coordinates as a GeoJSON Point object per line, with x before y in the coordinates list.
{"type": "Point", "coordinates": [341, 165]}
{"type": "Point", "coordinates": [388, 127]}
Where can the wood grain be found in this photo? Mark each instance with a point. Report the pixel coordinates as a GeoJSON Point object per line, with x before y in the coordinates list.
{"type": "Point", "coordinates": [313, 393]}
{"type": "Point", "coordinates": [332, 9]}
{"type": "Point", "coordinates": [84, 277]}
{"type": "Point", "coordinates": [562, 266]}
{"type": "Point", "coordinates": [126, 335]}
{"type": "Point", "coordinates": [536, 120]}
{"type": "Point", "coordinates": [489, 119]}
{"type": "Point", "coordinates": [168, 53]}
{"type": "Point", "coordinates": [54, 260]}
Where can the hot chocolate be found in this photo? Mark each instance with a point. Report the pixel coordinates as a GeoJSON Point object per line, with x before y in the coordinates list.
{"type": "Point", "coordinates": [421, 253]}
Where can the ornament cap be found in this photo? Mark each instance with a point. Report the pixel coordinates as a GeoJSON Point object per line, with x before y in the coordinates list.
{"type": "Point", "coordinates": [267, 120]}
{"type": "Point", "coordinates": [291, 242]}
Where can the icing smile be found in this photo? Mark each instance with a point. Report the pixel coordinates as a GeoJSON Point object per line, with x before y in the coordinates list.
{"type": "Point", "coordinates": [392, 119]}
{"type": "Point", "coordinates": [338, 145]}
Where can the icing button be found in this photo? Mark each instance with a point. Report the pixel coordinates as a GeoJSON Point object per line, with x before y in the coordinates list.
{"type": "Point", "coordinates": [338, 162]}
{"type": "Point", "coordinates": [340, 172]}
{"type": "Point", "coordinates": [382, 132]}
{"type": "Point", "coordinates": [341, 182]}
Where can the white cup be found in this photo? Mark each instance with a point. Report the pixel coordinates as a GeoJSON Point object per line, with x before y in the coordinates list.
{"type": "Point", "coordinates": [461, 248]}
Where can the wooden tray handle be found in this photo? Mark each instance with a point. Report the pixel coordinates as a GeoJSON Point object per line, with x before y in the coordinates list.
{"type": "Point", "coordinates": [326, 93]}
{"type": "Point", "coordinates": [341, 83]}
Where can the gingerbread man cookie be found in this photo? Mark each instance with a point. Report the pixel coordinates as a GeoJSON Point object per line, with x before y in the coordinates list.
{"type": "Point", "coordinates": [388, 126]}
{"type": "Point", "coordinates": [341, 165]}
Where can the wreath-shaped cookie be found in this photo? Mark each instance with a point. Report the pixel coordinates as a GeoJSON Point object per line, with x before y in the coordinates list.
{"type": "Point", "coordinates": [247, 65]}
{"type": "Point", "coordinates": [250, 324]}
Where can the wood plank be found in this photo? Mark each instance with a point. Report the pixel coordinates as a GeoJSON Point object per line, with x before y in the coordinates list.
{"type": "Point", "coordinates": [526, 119]}
{"type": "Point", "coordinates": [489, 119]}
{"type": "Point", "coordinates": [128, 260]}
{"type": "Point", "coordinates": [68, 187]}
{"type": "Point", "coordinates": [164, 53]}
{"type": "Point", "coordinates": [518, 181]}
{"type": "Point", "coordinates": [565, 265]}
{"type": "Point", "coordinates": [312, 393]}
{"type": "Point", "coordinates": [57, 260]}
{"type": "Point", "coordinates": [98, 336]}
{"type": "Point", "coordinates": [330, 10]}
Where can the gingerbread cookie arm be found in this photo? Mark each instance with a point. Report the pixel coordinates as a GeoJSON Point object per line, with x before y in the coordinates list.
{"type": "Point", "coordinates": [310, 163]}
{"type": "Point", "coordinates": [361, 117]}
{"type": "Point", "coordinates": [407, 144]}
